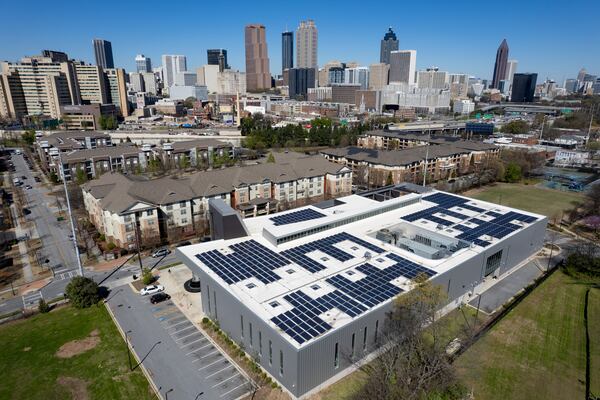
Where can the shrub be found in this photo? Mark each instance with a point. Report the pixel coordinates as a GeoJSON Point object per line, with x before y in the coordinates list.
{"type": "Point", "coordinates": [123, 252]}
{"type": "Point", "coordinates": [43, 307]}
{"type": "Point", "coordinates": [274, 385]}
{"type": "Point", "coordinates": [102, 237]}
{"type": "Point", "coordinates": [147, 277]}
{"type": "Point", "coordinates": [82, 292]}
{"type": "Point", "coordinates": [205, 321]}
{"type": "Point", "coordinates": [111, 246]}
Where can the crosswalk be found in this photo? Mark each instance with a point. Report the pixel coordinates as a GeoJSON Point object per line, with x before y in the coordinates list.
{"type": "Point", "coordinates": [64, 274]}
{"type": "Point", "coordinates": [30, 300]}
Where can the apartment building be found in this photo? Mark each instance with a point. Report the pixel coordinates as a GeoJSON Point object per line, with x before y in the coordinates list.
{"type": "Point", "coordinates": [375, 167]}
{"type": "Point", "coordinates": [167, 209]}
{"type": "Point", "coordinates": [410, 135]}
{"type": "Point", "coordinates": [49, 147]}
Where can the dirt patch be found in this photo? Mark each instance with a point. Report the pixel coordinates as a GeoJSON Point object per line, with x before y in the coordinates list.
{"type": "Point", "coordinates": [76, 347]}
{"type": "Point", "coordinates": [26, 348]}
{"type": "Point", "coordinates": [75, 386]}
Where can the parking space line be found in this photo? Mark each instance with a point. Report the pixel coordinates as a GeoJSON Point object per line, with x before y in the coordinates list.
{"type": "Point", "coordinates": [179, 323]}
{"type": "Point", "coordinates": [181, 329]}
{"type": "Point", "coordinates": [208, 365]}
{"type": "Point", "coordinates": [221, 370]}
{"type": "Point", "coordinates": [187, 344]}
{"type": "Point", "coordinates": [212, 352]}
{"type": "Point", "coordinates": [229, 391]}
{"type": "Point", "coordinates": [191, 334]}
{"type": "Point", "coordinates": [228, 379]}
{"type": "Point", "coordinates": [199, 348]}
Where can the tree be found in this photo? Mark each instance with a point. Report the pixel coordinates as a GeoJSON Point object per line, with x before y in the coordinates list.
{"type": "Point", "coordinates": [43, 307]}
{"type": "Point", "coordinates": [147, 277]}
{"type": "Point", "coordinates": [29, 137]}
{"type": "Point", "coordinates": [593, 145]}
{"type": "Point", "coordinates": [512, 173]}
{"type": "Point", "coordinates": [271, 158]}
{"type": "Point", "coordinates": [184, 162]}
{"type": "Point", "coordinates": [80, 176]}
{"type": "Point", "coordinates": [515, 127]}
{"type": "Point", "coordinates": [108, 122]}
{"type": "Point", "coordinates": [189, 102]}
{"type": "Point", "coordinates": [413, 362]}
{"type": "Point", "coordinates": [389, 180]}
{"type": "Point", "coordinates": [82, 292]}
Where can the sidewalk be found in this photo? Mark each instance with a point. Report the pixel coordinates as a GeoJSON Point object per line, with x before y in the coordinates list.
{"type": "Point", "coordinates": [189, 303]}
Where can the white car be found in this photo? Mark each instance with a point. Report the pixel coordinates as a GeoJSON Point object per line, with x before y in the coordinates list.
{"type": "Point", "coordinates": [152, 289]}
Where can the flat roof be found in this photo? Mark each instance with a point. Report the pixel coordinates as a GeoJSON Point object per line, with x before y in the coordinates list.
{"type": "Point", "coordinates": [335, 269]}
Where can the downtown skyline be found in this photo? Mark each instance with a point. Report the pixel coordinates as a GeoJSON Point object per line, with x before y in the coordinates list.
{"type": "Point", "coordinates": [442, 41]}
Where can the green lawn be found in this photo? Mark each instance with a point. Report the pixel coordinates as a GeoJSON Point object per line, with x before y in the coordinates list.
{"type": "Point", "coordinates": [538, 350]}
{"type": "Point", "coordinates": [30, 369]}
{"type": "Point", "coordinates": [547, 202]}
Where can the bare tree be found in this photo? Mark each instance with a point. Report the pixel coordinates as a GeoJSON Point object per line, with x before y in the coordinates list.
{"type": "Point", "coordinates": [412, 362]}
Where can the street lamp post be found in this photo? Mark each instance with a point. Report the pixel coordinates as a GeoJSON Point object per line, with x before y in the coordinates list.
{"type": "Point", "coordinates": [198, 395]}
{"type": "Point", "coordinates": [62, 171]}
{"type": "Point", "coordinates": [167, 393]}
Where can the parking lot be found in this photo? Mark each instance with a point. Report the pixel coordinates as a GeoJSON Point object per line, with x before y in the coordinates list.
{"type": "Point", "coordinates": [180, 359]}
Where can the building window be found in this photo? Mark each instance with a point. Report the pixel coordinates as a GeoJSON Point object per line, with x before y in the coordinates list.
{"type": "Point", "coordinates": [376, 331]}
{"type": "Point", "coordinates": [365, 339]}
{"type": "Point", "coordinates": [182, 204]}
{"type": "Point", "coordinates": [184, 220]}
{"type": "Point", "coordinates": [169, 207]}
{"type": "Point", "coordinates": [281, 362]}
{"type": "Point", "coordinates": [183, 211]}
{"type": "Point", "coordinates": [492, 263]}
{"type": "Point", "coordinates": [149, 213]}
{"type": "Point", "coordinates": [336, 356]}
{"type": "Point", "coordinates": [242, 325]}
{"type": "Point", "coordinates": [352, 346]}
{"type": "Point", "coordinates": [270, 353]}
{"type": "Point", "coordinates": [260, 343]}
{"type": "Point", "coordinates": [250, 333]}
{"type": "Point", "coordinates": [215, 301]}
{"type": "Point", "coordinates": [208, 296]}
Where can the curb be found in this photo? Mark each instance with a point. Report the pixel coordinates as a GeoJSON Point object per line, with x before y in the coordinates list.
{"type": "Point", "coordinates": [146, 373]}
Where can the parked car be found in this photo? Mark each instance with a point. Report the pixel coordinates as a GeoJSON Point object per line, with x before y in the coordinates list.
{"type": "Point", "coordinates": [159, 297]}
{"type": "Point", "coordinates": [37, 179]}
{"type": "Point", "coordinates": [152, 289]}
{"type": "Point", "coordinates": [28, 187]}
{"type": "Point", "coordinates": [160, 253]}
{"type": "Point", "coordinates": [184, 243]}
{"type": "Point", "coordinates": [23, 177]}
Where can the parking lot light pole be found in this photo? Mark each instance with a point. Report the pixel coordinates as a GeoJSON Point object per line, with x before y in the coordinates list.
{"type": "Point", "coordinates": [128, 352]}
{"type": "Point", "coordinates": [167, 393]}
{"type": "Point", "coordinates": [198, 395]}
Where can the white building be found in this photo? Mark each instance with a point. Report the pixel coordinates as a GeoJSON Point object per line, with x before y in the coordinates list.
{"type": "Point", "coordinates": [403, 66]}
{"type": "Point", "coordinates": [511, 68]}
{"type": "Point", "coordinates": [322, 93]}
{"type": "Point", "coordinates": [432, 79]}
{"type": "Point", "coordinates": [566, 157]}
{"type": "Point", "coordinates": [424, 100]}
{"type": "Point", "coordinates": [185, 78]}
{"type": "Point", "coordinates": [357, 76]}
{"type": "Point", "coordinates": [136, 80]}
{"type": "Point", "coordinates": [183, 92]}
{"type": "Point", "coordinates": [208, 75]}
{"type": "Point", "coordinates": [231, 82]}
{"type": "Point", "coordinates": [172, 64]}
{"type": "Point", "coordinates": [463, 106]}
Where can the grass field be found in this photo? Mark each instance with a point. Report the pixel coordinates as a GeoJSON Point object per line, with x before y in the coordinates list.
{"type": "Point", "coordinates": [538, 350]}
{"type": "Point", "coordinates": [31, 369]}
{"type": "Point", "coordinates": [547, 202]}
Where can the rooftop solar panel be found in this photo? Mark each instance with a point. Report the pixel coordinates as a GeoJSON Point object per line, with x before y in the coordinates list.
{"type": "Point", "coordinates": [296, 216]}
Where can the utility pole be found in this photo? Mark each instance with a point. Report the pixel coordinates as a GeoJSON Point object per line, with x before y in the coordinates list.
{"type": "Point", "coordinates": [62, 171]}
{"type": "Point", "coordinates": [137, 243]}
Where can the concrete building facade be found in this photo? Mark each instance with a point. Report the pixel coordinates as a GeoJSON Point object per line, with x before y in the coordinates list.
{"type": "Point", "coordinates": [258, 76]}
{"type": "Point", "coordinates": [403, 64]}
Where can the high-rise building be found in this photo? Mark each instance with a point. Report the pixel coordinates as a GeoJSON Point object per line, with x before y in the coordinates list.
{"type": "Point", "coordinates": [389, 43]}
{"type": "Point", "coordinates": [258, 76]}
{"type": "Point", "coordinates": [511, 68]}
{"type": "Point", "coordinates": [306, 45]}
{"type": "Point", "coordinates": [378, 76]}
{"type": "Point", "coordinates": [143, 63]}
{"type": "Point", "coordinates": [150, 82]}
{"type": "Point", "coordinates": [500, 65]}
{"type": "Point", "coordinates": [287, 50]}
{"type": "Point", "coordinates": [116, 89]}
{"type": "Point", "coordinates": [217, 57]}
{"type": "Point", "coordinates": [459, 85]}
{"type": "Point", "coordinates": [90, 80]}
{"type": "Point", "coordinates": [324, 72]}
{"type": "Point", "coordinates": [571, 85]}
{"type": "Point", "coordinates": [136, 80]}
{"type": "Point", "coordinates": [403, 64]}
{"type": "Point", "coordinates": [56, 56]}
{"type": "Point", "coordinates": [523, 87]}
{"type": "Point", "coordinates": [358, 75]}
{"type": "Point", "coordinates": [335, 75]}
{"type": "Point", "coordinates": [581, 75]}
{"type": "Point", "coordinates": [432, 78]}
{"type": "Point", "coordinates": [300, 80]}
{"type": "Point", "coordinates": [208, 75]}
{"type": "Point", "coordinates": [37, 86]}
{"type": "Point", "coordinates": [172, 65]}
{"type": "Point", "coordinates": [103, 52]}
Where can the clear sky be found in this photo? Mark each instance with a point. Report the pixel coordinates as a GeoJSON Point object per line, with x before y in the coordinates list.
{"type": "Point", "coordinates": [553, 38]}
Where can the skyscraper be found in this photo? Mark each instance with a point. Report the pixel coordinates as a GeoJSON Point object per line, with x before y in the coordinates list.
{"type": "Point", "coordinates": [217, 57]}
{"type": "Point", "coordinates": [523, 87]}
{"type": "Point", "coordinates": [378, 76]}
{"type": "Point", "coordinates": [403, 65]}
{"type": "Point", "coordinates": [143, 63]}
{"type": "Point", "coordinates": [172, 65]}
{"type": "Point", "coordinates": [500, 65]}
{"type": "Point", "coordinates": [287, 50]}
{"type": "Point", "coordinates": [306, 45]}
{"type": "Point", "coordinates": [300, 80]}
{"type": "Point", "coordinates": [581, 75]}
{"type": "Point", "coordinates": [258, 76]}
{"type": "Point", "coordinates": [389, 43]}
{"type": "Point", "coordinates": [511, 68]}
{"type": "Point", "coordinates": [103, 52]}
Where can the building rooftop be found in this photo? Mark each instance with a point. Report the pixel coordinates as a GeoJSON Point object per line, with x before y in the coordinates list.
{"type": "Point", "coordinates": [314, 269]}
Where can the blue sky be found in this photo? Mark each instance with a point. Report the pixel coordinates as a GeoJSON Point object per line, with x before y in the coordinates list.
{"type": "Point", "coordinates": [553, 38]}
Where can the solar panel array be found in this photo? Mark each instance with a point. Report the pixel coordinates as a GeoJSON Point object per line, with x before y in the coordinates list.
{"type": "Point", "coordinates": [498, 227]}
{"type": "Point", "coordinates": [326, 245]}
{"type": "Point", "coordinates": [303, 323]}
{"type": "Point", "coordinates": [248, 259]}
{"type": "Point", "coordinates": [296, 216]}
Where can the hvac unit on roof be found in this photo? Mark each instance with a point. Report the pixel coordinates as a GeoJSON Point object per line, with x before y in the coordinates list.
{"type": "Point", "coordinates": [368, 255]}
